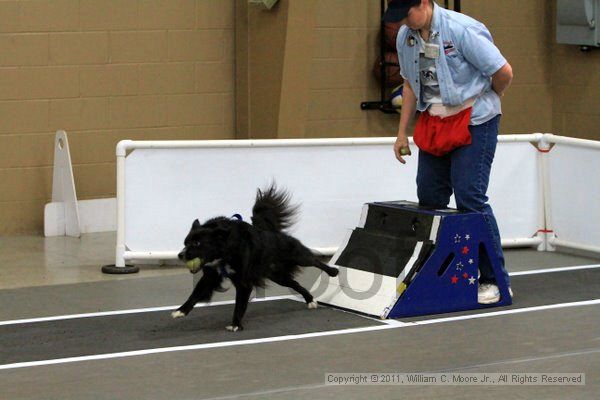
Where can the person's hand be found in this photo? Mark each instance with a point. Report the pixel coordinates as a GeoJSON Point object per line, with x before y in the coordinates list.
{"type": "Point", "coordinates": [401, 148]}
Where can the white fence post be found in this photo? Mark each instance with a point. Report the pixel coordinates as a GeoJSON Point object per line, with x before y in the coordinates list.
{"type": "Point", "coordinates": [120, 267]}
{"type": "Point", "coordinates": [544, 148]}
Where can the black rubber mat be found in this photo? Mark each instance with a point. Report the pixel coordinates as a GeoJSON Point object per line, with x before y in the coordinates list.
{"type": "Point", "coordinates": [111, 334]}
{"type": "Point", "coordinates": [543, 289]}
{"type": "Point", "coordinates": [119, 333]}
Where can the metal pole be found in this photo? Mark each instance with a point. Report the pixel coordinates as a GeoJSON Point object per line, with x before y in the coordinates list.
{"type": "Point", "coordinates": [382, 53]}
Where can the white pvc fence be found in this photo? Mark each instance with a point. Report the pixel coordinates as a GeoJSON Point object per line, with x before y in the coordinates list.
{"type": "Point", "coordinates": [573, 193]}
{"type": "Point", "coordinates": [162, 186]}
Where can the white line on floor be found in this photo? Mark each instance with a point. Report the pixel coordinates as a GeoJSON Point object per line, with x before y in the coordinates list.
{"type": "Point", "coordinates": [507, 312]}
{"type": "Point", "coordinates": [394, 325]}
{"type": "Point", "coordinates": [225, 302]}
{"type": "Point", "coordinates": [135, 311]}
{"type": "Point", "coordinates": [559, 269]}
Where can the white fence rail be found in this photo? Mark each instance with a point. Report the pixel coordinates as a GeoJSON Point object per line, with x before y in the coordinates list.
{"type": "Point", "coordinates": [162, 186]}
{"type": "Point", "coordinates": [573, 193]}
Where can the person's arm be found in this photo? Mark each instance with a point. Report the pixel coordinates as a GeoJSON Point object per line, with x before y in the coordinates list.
{"type": "Point", "coordinates": [501, 79]}
{"type": "Point", "coordinates": [409, 107]}
{"type": "Point", "coordinates": [479, 49]}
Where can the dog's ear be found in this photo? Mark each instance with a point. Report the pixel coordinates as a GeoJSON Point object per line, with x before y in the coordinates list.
{"type": "Point", "coordinates": [196, 224]}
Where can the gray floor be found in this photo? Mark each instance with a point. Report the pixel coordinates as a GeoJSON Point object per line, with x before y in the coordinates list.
{"type": "Point", "coordinates": [41, 277]}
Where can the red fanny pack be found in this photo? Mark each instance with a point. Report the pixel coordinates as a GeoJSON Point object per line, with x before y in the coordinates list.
{"type": "Point", "coordinates": [440, 136]}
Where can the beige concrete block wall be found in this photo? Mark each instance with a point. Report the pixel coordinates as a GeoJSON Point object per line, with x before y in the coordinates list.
{"type": "Point", "coordinates": [104, 70]}
{"type": "Point", "coordinates": [341, 74]}
{"type": "Point", "coordinates": [575, 90]}
{"type": "Point", "coordinates": [522, 30]}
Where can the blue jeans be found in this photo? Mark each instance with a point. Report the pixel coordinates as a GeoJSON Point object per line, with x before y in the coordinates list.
{"type": "Point", "coordinates": [466, 171]}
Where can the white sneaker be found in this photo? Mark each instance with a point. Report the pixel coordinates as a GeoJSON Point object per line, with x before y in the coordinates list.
{"type": "Point", "coordinates": [488, 293]}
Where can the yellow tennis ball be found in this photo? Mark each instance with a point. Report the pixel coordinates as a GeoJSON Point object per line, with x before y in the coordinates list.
{"type": "Point", "coordinates": [404, 151]}
{"type": "Point", "coordinates": [194, 264]}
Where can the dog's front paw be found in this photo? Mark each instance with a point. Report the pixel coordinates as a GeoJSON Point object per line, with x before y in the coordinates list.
{"type": "Point", "coordinates": [233, 328]}
{"type": "Point", "coordinates": [312, 305]}
{"type": "Point", "coordinates": [177, 314]}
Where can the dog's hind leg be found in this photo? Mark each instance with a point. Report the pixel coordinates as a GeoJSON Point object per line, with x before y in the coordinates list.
{"type": "Point", "coordinates": [307, 259]}
{"type": "Point", "coordinates": [326, 268]}
{"type": "Point", "coordinates": [242, 296]}
{"type": "Point", "coordinates": [210, 281]}
{"type": "Point", "coordinates": [292, 284]}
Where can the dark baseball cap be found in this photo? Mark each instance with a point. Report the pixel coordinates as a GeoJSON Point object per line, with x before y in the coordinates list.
{"type": "Point", "coordinates": [397, 10]}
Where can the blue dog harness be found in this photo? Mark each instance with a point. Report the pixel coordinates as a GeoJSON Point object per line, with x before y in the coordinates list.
{"type": "Point", "coordinates": [237, 216]}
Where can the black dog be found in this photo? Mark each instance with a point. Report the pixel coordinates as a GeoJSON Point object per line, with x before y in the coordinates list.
{"type": "Point", "coordinates": [247, 254]}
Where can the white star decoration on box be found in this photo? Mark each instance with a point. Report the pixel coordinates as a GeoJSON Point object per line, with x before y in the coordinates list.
{"type": "Point", "coordinates": [467, 236]}
{"type": "Point", "coordinates": [471, 281]}
{"type": "Point", "coordinates": [459, 266]}
{"type": "Point", "coordinates": [457, 238]}
{"type": "Point", "coordinates": [471, 261]}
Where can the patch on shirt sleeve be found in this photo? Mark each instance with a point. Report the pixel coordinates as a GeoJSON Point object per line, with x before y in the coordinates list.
{"type": "Point", "coordinates": [448, 47]}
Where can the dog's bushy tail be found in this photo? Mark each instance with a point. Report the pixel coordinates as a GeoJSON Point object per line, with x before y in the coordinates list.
{"type": "Point", "coordinates": [272, 210]}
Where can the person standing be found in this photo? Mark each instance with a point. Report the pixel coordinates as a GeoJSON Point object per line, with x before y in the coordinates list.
{"type": "Point", "coordinates": [455, 76]}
